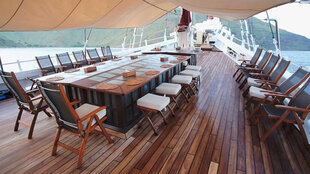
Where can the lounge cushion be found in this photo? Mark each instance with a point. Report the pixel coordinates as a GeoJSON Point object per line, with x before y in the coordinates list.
{"type": "Point", "coordinates": [86, 109]}
{"type": "Point", "coordinates": [256, 92]}
{"type": "Point", "coordinates": [185, 63]}
{"type": "Point", "coordinates": [193, 67]}
{"type": "Point", "coordinates": [252, 82]}
{"type": "Point", "coordinates": [181, 79]}
{"type": "Point", "coordinates": [191, 73]}
{"type": "Point", "coordinates": [152, 101]}
{"type": "Point", "coordinates": [168, 88]}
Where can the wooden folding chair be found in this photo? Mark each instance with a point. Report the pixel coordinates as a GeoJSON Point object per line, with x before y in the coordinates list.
{"type": "Point", "coordinates": [94, 56]}
{"type": "Point", "coordinates": [249, 63]}
{"type": "Point", "coordinates": [268, 82]}
{"type": "Point", "coordinates": [259, 67]}
{"type": "Point", "coordinates": [277, 96]}
{"type": "Point", "coordinates": [65, 61]}
{"type": "Point", "coordinates": [80, 121]}
{"type": "Point", "coordinates": [264, 73]}
{"type": "Point", "coordinates": [80, 58]}
{"type": "Point", "coordinates": [294, 113]}
{"type": "Point", "coordinates": [24, 100]}
{"type": "Point", "coordinates": [46, 65]}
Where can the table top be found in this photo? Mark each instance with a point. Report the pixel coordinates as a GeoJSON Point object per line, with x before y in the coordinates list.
{"type": "Point", "coordinates": [111, 72]}
{"type": "Point", "coordinates": [172, 52]}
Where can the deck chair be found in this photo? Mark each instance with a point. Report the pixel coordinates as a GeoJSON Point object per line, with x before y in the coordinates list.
{"type": "Point", "coordinates": [263, 73]}
{"type": "Point", "coordinates": [256, 68]}
{"type": "Point", "coordinates": [93, 55]}
{"type": "Point", "coordinates": [25, 101]}
{"type": "Point", "coordinates": [108, 53]}
{"type": "Point", "coordinates": [295, 112]}
{"type": "Point", "coordinates": [268, 82]}
{"type": "Point", "coordinates": [80, 121]}
{"type": "Point", "coordinates": [80, 58]}
{"type": "Point", "coordinates": [249, 63]}
{"type": "Point", "coordinates": [46, 65]}
{"type": "Point", "coordinates": [65, 61]}
{"type": "Point", "coordinates": [277, 95]}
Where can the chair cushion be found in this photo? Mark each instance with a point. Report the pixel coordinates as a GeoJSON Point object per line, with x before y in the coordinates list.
{"type": "Point", "coordinates": [152, 101]}
{"type": "Point", "coordinates": [86, 109]}
{"type": "Point", "coordinates": [181, 79]}
{"type": "Point", "coordinates": [252, 82]}
{"type": "Point", "coordinates": [191, 73]}
{"type": "Point", "coordinates": [193, 67]}
{"type": "Point", "coordinates": [256, 92]}
{"type": "Point", "coordinates": [168, 88]}
{"type": "Point", "coordinates": [185, 63]}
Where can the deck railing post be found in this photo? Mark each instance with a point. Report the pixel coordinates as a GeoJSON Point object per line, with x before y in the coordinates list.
{"type": "Point", "coordinates": [19, 65]}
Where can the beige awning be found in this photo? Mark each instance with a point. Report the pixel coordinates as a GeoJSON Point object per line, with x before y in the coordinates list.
{"type": "Point", "coordinates": [36, 15]}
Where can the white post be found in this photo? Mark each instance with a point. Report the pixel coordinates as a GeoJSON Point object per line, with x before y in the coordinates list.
{"type": "Point", "coordinates": [134, 38]}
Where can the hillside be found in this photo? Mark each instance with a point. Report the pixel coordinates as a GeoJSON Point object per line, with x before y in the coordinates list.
{"type": "Point", "coordinates": [114, 37]}
{"type": "Point", "coordinates": [263, 36]}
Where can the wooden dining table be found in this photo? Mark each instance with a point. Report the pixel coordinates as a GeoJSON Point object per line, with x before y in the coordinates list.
{"type": "Point", "coordinates": [121, 100]}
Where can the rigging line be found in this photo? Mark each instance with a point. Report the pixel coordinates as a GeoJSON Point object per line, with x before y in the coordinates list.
{"type": "Point", "coordinates": [67, 16]}
{"type": "Point", "coordinates": [13, 14]}
{"type": "Point", "coordinates": [157, 7]}
{"type": "Point", "coordinates": [270, 24]}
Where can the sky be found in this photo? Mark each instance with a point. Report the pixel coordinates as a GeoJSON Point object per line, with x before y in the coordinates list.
{"type": "Point", "coordinates": [292, 17]}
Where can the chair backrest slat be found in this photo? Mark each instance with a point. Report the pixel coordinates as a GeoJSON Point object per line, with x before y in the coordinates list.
{"type": "Point", "coordinates": [14, 86]}
{"type": "Point", "coordinates": [256, 56]}
{"type": "Point", "coordinates": [264, 60]}
{"type": "Point", "coordinates": [55, 100]}
{"type": "Point", "coordinates": [271, 64]}
{"type": "Point", "coordinates": [279, 71]}
{"type": "Point", "coordinates": [108, 53]}
{"type": "Point", "coordinates": [295, 80]}
{"type": "Point", "coordinates": [93, 54]}
{"type": "Point", "coordinates": [80, 57]}
{"type": "Point", "coordinates": [45, 63]}
{"type": "Point", "coordinates": [65, 60]}
{"type": "Point", "coordinates": [302, 98]}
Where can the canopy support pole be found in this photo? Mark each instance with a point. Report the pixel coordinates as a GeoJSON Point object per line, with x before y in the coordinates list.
{"type": "Point", "coordinates": [276, 41]}
{"type": "Point", "coordinates": [86, 38]}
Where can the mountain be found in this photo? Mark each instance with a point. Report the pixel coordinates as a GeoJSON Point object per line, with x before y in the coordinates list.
{"type": "Point", "coordinates": [263, 36]}
{"type": "Point", "coordinates": [152, 33]}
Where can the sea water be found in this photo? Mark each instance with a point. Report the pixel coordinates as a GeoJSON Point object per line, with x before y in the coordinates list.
{"type": "Point", "coordinates": [9, 56]}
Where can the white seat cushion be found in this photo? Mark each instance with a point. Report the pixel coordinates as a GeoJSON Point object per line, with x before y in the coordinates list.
{"type": "Point", "coordinates": [152, 101]}
{"type": "Point", "coordinates": [252, 82]}
{"type": "Point", "coordinates": [181, 79]}
{"type": "Point", "coordinates": [256, 92]}
{"type": "Point", "coordinates": [185, 63]}
{"type": "Point", "coordinates": [168, 88]}
{"type": "Point", "coordinates": [193, 67]}
{"type": "Point", "coordinates": [86, 109]}
{"type": "Point", "coordinates": [191, 73]}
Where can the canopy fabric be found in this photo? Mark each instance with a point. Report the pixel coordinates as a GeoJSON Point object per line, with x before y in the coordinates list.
{"type": "Point", "coordinates": [186, 18]}
{"type": "Point", "coordinates": [38, 15]}
{"type": "Point", "coordinates": [229, 9]}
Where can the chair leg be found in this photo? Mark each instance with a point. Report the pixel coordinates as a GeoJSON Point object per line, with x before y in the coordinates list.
{"type": "Point", "coordinates": [243, 84]}
{"type": "Point", "coordinates": [32, 125]}
{"type": "Point", "coordinates": [236, 72]}
{"type": "Point", "coordinates": [185, 96]}
{"type": "Point", "coordinates": [18, 118]}
{"type": "Point", "coordinates": [239, 77]}
{"type": "Point", "coordinates": [104, 131]}
{"type": "Point", "coordinates": [171, 110]}
{"type": "Point", "coordinates": [47, 113]}
{"type": "Point", "coordinates": [162, 115]}
{"type": "Point", "coordinates": [245, 93]}
{"type": "Point", "coordinates": [259, 117]}
{"type": "Point", "coordinates": [56, 141]}
{"type": "Point", "coordinates": [174, 100]}
{"type": "Point", "coordinates": [152, 125]}
{"type": "Point", "coordinates": [82, 149]}
{"type": "Point", "coordinates": [254, 111]}
{"type": "Point", "coordinates": [248, 103]}
{"type": "Point", "coordinates": [263, 138]}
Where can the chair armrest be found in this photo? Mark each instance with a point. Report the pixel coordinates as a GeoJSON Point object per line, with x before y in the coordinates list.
{"type": "Point", "coordinates": [31, 91]}
{"type": "Point", "coordinates": [75, 102]}
{"type": "Point", "coordinates": [76, 65]}
{"type": "Point", "coordinates": [43, 72]}
{"type": "Point", "coordinates": [92, 113]}
{"type": "Point", "coordinates": [104, 58]}
{"type": "Point", "coordinates": [62, 68]}
{"type": "Point", "coordinates": [91, 61]}
{"type": "Point", "coordinates": [277, 95]}
{"type": "Point", "coordinates": [36, 97]}
{"type": "Point", "coordinates": [292, 108]}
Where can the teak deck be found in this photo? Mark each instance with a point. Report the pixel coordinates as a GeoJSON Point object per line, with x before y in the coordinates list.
{"type": "Point", "coordinates": [209, 135]}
